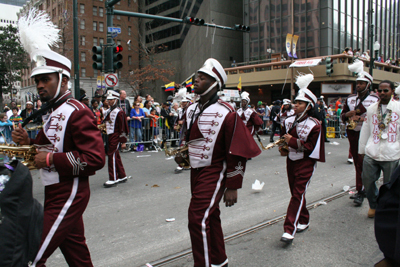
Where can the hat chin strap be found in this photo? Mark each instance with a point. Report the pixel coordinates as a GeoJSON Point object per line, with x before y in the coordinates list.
{"type": "Point", "coordinates": [302, 114]}
{"type": "Point", "coordinates": [209, 89]}
{"type": "Point", "coordinates": [59, 86]}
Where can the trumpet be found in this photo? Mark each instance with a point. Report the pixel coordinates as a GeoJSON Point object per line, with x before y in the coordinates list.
{"type": "Point", "coordinates": [34, 128]}
{"type": "Point", "coordinates": [181, 155]}
{"type": "Point", "coordinates": [26, 152]}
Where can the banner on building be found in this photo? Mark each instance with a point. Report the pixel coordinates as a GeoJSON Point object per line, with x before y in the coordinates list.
{"type": "Point", "coordinates": [295, 39]}
{"type": "Point", "coordinates": [289, 39]}
{"type": "Point", "coordinates": [305, 63]}
{"type": "Point", "coordinates": [100, 82]}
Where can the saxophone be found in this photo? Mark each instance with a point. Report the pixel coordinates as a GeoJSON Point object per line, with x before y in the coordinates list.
{"type": "Point", "coordinates": [26, 152]}
{"type": "Point", "coordinates": [103, 128]}
{"type": "Point", "coordinates": [280, 142]}
{"type": "Point", "coordinates": [351, 124]}
{"type": "Point", "coordinates": [181, 155]}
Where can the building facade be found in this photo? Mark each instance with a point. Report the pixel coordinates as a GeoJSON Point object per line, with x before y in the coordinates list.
{"type": "Point", "coordinates": [92, 31]}
{"type": "Point", "coordinates": [185, 46]}
{"type": "Point", "coordinates": [325, 27]}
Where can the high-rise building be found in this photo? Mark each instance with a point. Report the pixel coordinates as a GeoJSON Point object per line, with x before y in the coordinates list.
{"type": "Point", "coordinates": [13, 2]}
{"type": "Point", "coordinates": [92, 31]}
{"type": "Point", "coordinates": [185, 46]}
{"type": "Point", "coordinates": [325, 27]}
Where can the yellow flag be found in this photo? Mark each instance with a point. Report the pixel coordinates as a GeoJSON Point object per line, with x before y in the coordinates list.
{"type": "Point", "coordinates": [170, 86]}
{"type": "Point", "coordinates": [239, 86]}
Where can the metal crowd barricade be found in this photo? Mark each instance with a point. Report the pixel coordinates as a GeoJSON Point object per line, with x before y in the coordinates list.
{"type": "Point", "coordinates": [335, 127]}
{"type": "Point", "coordinates": [168, 133]}
{"type": "Point", "coordinates": [150, 135]}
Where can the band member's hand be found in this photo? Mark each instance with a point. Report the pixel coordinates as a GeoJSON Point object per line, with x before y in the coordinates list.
{"type": "Point", "coordinates": [123, 146]}
{"type": "Point", "coordinates": [128, 118]}
{"type": "Point", "coordinates": [351, 113]}
{"type": "Point", "coordinates": [40, 159]}
{"type": "Point", "coordinates": [20, 136]}
{"type": "Point", "coordinates": [230, 197]}
{"type": "Point", "coordinates": [356, 118]}
{"type": "Point", "coordinates": [287, 138]}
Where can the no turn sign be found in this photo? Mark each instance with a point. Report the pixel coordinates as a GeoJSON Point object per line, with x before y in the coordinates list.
{"type": "Point", "coordinates": [111, 80]}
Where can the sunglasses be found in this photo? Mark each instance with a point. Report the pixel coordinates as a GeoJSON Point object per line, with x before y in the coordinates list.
{"type": "Point", "coordinates": [384, 90]}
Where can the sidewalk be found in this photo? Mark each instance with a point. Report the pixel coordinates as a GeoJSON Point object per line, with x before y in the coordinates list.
{"type": "Point", "coordinates": [339, 235]}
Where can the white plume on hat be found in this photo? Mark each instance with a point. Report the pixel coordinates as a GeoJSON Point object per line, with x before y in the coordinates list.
{"type": "Point", "coordinates": [358, 67]}
{"type": "Point", "coordinates": [303, 80]}
{"type": "Point", "coordinates": [245, 96]}
{"type": "Point", "coordinates": [37, 32]}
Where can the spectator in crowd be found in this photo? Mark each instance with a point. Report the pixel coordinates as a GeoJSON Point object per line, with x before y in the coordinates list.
{"type": "Point", "coordinates": [266, 118]}
{"type": "Point", "coordinates": [6, 109]}
{"type": "Point", "coordinates": [338, 102]}
{"type": "Point", "coordinates": [233, 104]}
{"type": "Point", "coordinates": [135, 124]}
{"type": "Point", "coordinates": [358, 52]}
{"type": "Point", "coordinates": [13, 104]}
{"type": "Point", "coordinates": [38, 104]}
{"type": "Point", "coordinates": [34, 123]}
{"type": "Point", "coordinates": [5, 129]}
{"type": "Point", "coordinates": [138, 99]}
{"type": "Point", "coordinates": [15, 118]}
{"type": "Point", "coordinates": [260, 110]}
{"type": "Point", "coordinates": [167, 120]}
{"type": "Point", "coordinates": [124, 104]}
{"type": "Point", "coordinates": [147, 136]}
{"type": "Point", "coordinates": [274, 112]}
{"type": "Point", "coordinates": [350, 52]}
{"type": "Point", "coordinates": [85, 99]}
{"type": "Point", "coordinates": [154, 124]}
{"type": "Point", "coordinates": [96, 111]}
{"type": "Point", "coordinates": [320, 114]}
{"type": "Point", "coordinates": [97, 97]}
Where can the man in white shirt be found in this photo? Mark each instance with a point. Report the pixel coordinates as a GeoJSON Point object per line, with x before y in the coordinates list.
{"type": "Point", "coordinates": [379, 142]}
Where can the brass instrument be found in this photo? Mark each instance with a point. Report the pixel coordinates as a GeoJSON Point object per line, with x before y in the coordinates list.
{"type": "Point", "coordinates": [34, 128]}
{"type": "Point", "coordinates": [26, 152]}
{"type": "Point", "coordinates": [280, 142]}
{"type": "Point", "coordinates": [351, 124]}
{"type": "Point", "coordinates": [181, 155]}
{"type": "Point", "coordinates": [103, 128]}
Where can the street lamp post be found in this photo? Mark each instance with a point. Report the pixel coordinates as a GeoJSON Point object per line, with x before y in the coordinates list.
{"type": "Point", "coordinates": [374, 56]}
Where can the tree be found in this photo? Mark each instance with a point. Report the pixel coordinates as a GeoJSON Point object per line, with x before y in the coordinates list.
{"type": "Point", "coordinates": [12, 59]}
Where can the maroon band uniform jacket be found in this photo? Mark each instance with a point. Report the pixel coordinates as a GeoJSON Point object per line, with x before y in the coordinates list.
{"type": "Point", "coordinates": [250, 118]}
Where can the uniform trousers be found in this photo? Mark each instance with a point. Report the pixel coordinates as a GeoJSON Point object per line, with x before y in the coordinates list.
{"type": "Point", "coordinates": [353, 137]}
{"type": "Point", "coordinates": [299, 176]}
{"type": "Point", "coordinates": [207, 188]}
{"type": "Point", "coordinates": [115, 168]}
{"type": "Point", "coordinates": [63, 227]}
{"type": "Point", "coordinates": [370, 174]}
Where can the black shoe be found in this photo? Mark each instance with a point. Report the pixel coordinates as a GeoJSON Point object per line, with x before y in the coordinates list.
{"type": "Point", "coordinates": [287, 240]}
{"type": "Point", "coordinates": [327, 141]}
{"type": "Point", "coordinates": [359, 199]}
{"type": "Point", "coordinates": [271, 141]}
{"type": "Point", "coordinates": [356, 194]}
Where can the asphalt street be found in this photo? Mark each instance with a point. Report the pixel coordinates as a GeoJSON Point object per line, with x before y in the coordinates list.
{"type": "Point", "coordinates": [127, 225]}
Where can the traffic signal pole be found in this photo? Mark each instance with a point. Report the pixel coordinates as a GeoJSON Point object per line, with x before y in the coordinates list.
{"type": "Point", "coordinates": [76, 50]}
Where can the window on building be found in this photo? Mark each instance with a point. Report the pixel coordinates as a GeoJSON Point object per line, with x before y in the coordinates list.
{"type": "Point", "coordinates": [83, 56]}
{"type": "Point", "coordinates": [83, 72]}
{"type": "Point", "coordinates": [129, 30]}
{"type": "Point", "coordinates": [129, 60]}
{"type": "Point", "coordinates": [95, 11]}
{"type": "Point", "coordinates": [118, 16]}
{"type": "Point", "coordinates": [101, 12]}
{"type": "Point", "coordinates": [83, 40]}
{"type": "Point", "coordinates": [101, 40]}
{"type": "Point", "coordinates": [95, 41]}
{"type": "Point", "coordinates": [94, 25]}
{"type": "Point", "coordinates": [82, 24]}
{"type": "Point", "coordinates": [101, 26]}
{"type": "Point", "coordinates": [82, 8]}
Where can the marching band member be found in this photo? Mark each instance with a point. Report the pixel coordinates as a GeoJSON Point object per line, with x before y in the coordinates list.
{"type": "Point", "coordinates": [117, 131]}
{"type": "Point", "coordinates": [303, 135]}
{"type": "Point", "coordinates": [69, 150]}
{"type": "Point", "coordinates": [219, 145]}
{"type": "Point", "coordinates": [286, 111]}
{"type": "Point", "coordinates": [249, 115]}
{"type": "Point", "coordinates": [355, 110]}
{"type": "Point", "coordinates": [185, 103]}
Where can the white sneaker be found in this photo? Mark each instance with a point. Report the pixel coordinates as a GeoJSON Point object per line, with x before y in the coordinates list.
{"type": "Point", "coordinates": [225, 263]}
{"type": "Point", "coordinates": [287, 238]}
{"type": "Point", "coordinates": [350, 161]}
{"type": "Point", "coordinates": [302, 227]}
{"type": "Point", "coordinates": [122, 180]}
{"type": "Point", "coordinates": [110, 183]}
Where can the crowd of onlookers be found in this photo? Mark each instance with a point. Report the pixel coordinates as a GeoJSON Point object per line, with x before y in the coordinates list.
{"type": "Point", "coordinates": [356, 53]}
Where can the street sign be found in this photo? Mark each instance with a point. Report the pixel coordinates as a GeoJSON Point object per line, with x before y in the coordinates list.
{"type": "Point", "coordinates": [114, 34]}
{"type": "Point", "coordinates": [114, 29]}
{"type": "Point", "coordinates": [111, 80]}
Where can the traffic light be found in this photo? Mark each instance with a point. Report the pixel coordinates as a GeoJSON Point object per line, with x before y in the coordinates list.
{"type": "Point", "coordinates": [243, 28]}
{"type": "Point", "coordinates": [97, 58]}
{"type": "Point", "coordinates": [194, 21]}
{"type": "Point", "coordinates": [329, 66]}
{"type": "Point", "coordinates": [117, 57]}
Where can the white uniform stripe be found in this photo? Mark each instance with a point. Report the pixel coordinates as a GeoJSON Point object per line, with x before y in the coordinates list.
{"type": "Point", "coordinates": [302, 200]}
{"type": "Point", "coordinates": [73, 162]}
{"type": "Point", "coordinates": [115, 167]}
{"type": "Point", "coordinates": [203, 222]}
{"type": "Point", "coordinates": [57, 222]}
